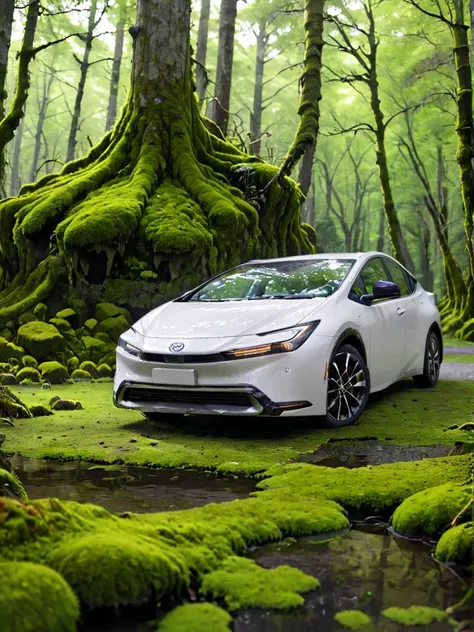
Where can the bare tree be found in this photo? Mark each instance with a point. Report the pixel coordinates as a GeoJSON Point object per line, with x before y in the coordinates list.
{"type": "Point", "coordinates": [201, 50]}
{"type": "Point", "coordinates": [116, 65]}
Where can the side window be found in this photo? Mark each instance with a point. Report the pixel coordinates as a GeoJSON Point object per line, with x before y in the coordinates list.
{"type": "Point", "coordinates": [398, 276]}
{"type": "Point", "coordinates": [357, 290]}
{"type": "Point", "coordinates": [373, 272]}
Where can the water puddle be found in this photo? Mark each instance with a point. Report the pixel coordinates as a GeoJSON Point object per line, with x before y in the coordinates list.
{"type": "Point", "coordinates": [352, 454]}
{"type": "Point", "coordinates": [120, 488]}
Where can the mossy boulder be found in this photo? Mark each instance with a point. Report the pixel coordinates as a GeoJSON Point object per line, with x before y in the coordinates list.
{"type": "Point", "coordinates": [11, 406]}
{"type": "Point", "coordinates": [103, 337]}
{"type": "Point", "coordinates": [41, 340]}
{"type": "Point", "coordinates": [113, 327]}
{"type": "Point", "coordinates": [90, 324]}
{"type": "Point", "coordinates": [8, 379]}
{"type": "Point", "coordinates": [40, 311]}
{"type": "Point", "coordinates": [5, 367]}
{"type": "Point", "coordinates": [81, 376]}
{"type": "Point", "coordinates": [112, 569]}
{"type": "Point", "coordinates": [355, 620]}
{"type": "Point", "coordinates": [36, 599]}
{"type": "Point", "coordinates": [105, 311]}
{"type": "Point", "coordinates": [91, 368]}
{"type": "Point", "coordinates": [7, 334]}
{"type": "Point", "coordinates": [28, 317]}
{"type": "Point", "coordinates": [415, 615]}
{"type": "Point", "coordinates": [93, 349]}
{"type": "Point", "coordinates": [61, 324]}
{"type": "Point", "coordinates": [105, 370]}
{"type": "Point", "coordinates": [429, 512]}
{"type": "Point", "coordinates": [196, 616]}
{"type": "Point", "coordinates": [66, 404]}
{"type": "Point", "coordinates": [109, 358]}
{"type": "Point", "coordinates": [10, 485]}
{"type": "Point", "coordinates": [73, 364]}
{"type": "Point", "coordinates": [53, 372]}
{"type": "Point", "coordinates": [29, 373]}
{"type": "Point", "coordinates": [10, 350]}
{"type": "Point", "coordinates": [457, 545]}
{"type": "Point", "coordinates": [28, 360]}
{"type": "Point", "coordinates": [40, 410]}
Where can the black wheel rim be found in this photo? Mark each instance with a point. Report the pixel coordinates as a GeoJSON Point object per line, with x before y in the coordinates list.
{"type": "Point", "coordinates": [347, 385]}
{"type": "Point", "coordinates": [433, 357]}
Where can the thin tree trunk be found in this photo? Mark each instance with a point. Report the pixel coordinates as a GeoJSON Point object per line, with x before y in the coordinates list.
{"type": "Point", "coordinates": [381, 235]}
{"type": "Point", "coordinates": [5, 37]}
{"type": "Point", "coordinates": [201, 50]}
{"type": "Point", "coordinates": [40, 125]}
{"type": "Point", "coordinates": [471, 14]}
{"type": "Point", "coordinates": [116, 65]}
{"type": "Point", "coordinates": [256, 117]}
{"type": "Point", "coordinates": [219, 111]}
{"type": "Point", "coordinates": [71, 145]}
{"type": "Point", "coordinates": [15, 180]}
{"type": "Point", "coordinates": [10, 122]}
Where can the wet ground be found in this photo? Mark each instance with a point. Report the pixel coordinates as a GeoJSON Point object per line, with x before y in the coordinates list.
{"type": "Point", "coordinates": [122, 488]}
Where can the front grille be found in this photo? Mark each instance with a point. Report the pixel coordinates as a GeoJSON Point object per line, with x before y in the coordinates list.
{"type": "Point", "coordinates": [168, 358]}
{"type": "Point", "coordinates": [158, 396]}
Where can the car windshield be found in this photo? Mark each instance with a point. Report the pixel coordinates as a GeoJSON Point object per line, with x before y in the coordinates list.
{"type": "Point", "coordinates": [296, 279]}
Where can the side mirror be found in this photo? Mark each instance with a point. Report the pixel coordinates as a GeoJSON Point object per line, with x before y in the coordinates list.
{"type": "Point", "coordinates": [382, 289]}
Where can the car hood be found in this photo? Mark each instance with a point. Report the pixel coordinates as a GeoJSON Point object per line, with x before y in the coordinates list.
{"type": "Point", "coordinates": [185, 320]}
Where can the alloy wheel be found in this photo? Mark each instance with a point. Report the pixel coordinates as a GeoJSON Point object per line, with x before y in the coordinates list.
{"type": "Point", "coordinates": [433, 357]}
{"type": "Point", "coordinates": [347, 385]}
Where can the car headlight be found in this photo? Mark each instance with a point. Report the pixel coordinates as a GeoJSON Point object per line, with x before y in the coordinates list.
{"type": "Point", "coordinates": [302, 333]}
{"type": "Point", "coordinates": [128, 348]}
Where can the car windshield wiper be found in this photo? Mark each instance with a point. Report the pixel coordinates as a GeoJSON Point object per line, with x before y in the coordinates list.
{"type": "Point", "coordinates": [280, 296]}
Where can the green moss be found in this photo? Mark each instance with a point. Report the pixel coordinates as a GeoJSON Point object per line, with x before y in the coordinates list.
{"type": "Point", "coordinates": [457, 545]}
{"type": "Point", "coordinates": [40, 410]}
{"type": "Point", "coordinates": [90, 324]}
{"type": "Point", "coordinates": [9, 350]}
{"type": "Point", "coordinates": [27, 317]}
{"type": "Point", "coordinates": [40, 311]}
{"type": "Point", "coordinates": [72, 364]}
{"type": "Point", "coordinates": [29, 361]}
{"type": "Point", "coordinates": [415, 615]}
{"type": "Point", "coordinates": [91, 368]}
{"type": "Point", "coordinates": [105, 370]}
{"type": "Point", "coordinates": [104, 311]}
{"type": "Point", "coordinates": [53, 372]}
{"type": "Point", "coordinates": [10, 485]}
{"type": "Point", "coordinates": [29, 373]}
{"type": "Point", "coordinates": [66, 404]}
{"type": "Point", "coordinates": [36, 599]}
{"type": "Point", "coordinates": [113, 327]}
{"type": "Point", "coordinates": [67, 314]}
{"type": "Point", "coordinates": [61, 324]}
{"type": "Point", "coordinates": [242, 583]}
{"type": "Point", "coordinates": [354, 620]}
{"type": "Point", "coordinates": [8, 379]}
{"type": "Point", "coordinates": [430, 511]}
{"type": "Point", "coordinates": [41, 339]}
{"type": "Point", "coordinates": [11, 406]}
{"type": "Point", "coordinates": [94, 349]}
{"type": "Point", "coordinates": [79, 375]}
{"type": "Point", "coordinates": [196, 616]}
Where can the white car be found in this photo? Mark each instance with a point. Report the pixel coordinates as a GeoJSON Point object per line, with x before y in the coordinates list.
{"type": "Point", "coordinates": [296, 336]}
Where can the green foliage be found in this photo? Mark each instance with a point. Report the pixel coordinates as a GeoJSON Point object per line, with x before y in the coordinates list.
{"type": "Point", "coordinates": [11, 406]}
{"type": "Point", "coordinates": [196, 616]}
{"type": "Point", "coordinates": [36, 599]}
{"type": "Point", "coordinates": [244, 584]}
{"type": "Point", "coordinates": [11, 485]}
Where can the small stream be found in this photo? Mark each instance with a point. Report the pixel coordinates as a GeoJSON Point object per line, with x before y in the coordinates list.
{"type": "Point", "coordinates": [361, 569]}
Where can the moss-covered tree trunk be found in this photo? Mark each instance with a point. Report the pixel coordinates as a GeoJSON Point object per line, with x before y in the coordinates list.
{"type": "Point", "coordinates": [158, 205]}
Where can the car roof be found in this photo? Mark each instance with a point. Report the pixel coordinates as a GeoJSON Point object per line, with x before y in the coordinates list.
{"type": "Point", "coordinates": [323, 255]}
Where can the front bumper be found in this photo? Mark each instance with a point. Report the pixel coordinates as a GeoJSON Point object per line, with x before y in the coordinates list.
{"type": "Point", "coordinates": [238, 400]}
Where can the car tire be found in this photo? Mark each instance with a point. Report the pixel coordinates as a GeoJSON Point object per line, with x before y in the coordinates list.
{"type": "Point", "coordinates": [432, 362]}
{"type": "Point", "coordinates": [345, 405]}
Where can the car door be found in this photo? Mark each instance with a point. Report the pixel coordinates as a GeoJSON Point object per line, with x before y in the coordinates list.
{"type": "Point", "coordinates": [408, 310]}
{"type": "Point", "coordinates": [385, 326]}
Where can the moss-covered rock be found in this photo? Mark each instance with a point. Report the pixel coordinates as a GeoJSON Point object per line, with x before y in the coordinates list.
{"type": "Point", "coordinates": [40, 410]}
{"type": "Point", "coordinates": [192, 617]}
{"type": "Point", "coordinates": [8, 379]}
{"type": "Point", "coordinates": [93, 349]}
{"type": "Point", "coordinates": [11, 406]}
{"type": "Point", "coordinates": [61, 324]}
{"type": "Point", "coordinates": [113, 327]}
{"type": "Point", "coordinates": [70, 315]}
{"type": "Point", "coordinates": [36, 599]}
{"type": "Point", "coordinates": [103, 338]}
{"type": "Point", "coordinates": [40, 311]}
{"type": "Point", "coordinates": [430, 511]}
{"type": "Point", "coordinates": [10, 350]}
{"type": "Point", "coordinates": [66, 404]}
{"type": "Point", "coordinates": [5, 367]}
{"type": "Point", "coordinates": [81, 376]}
{"type": "Point", "coordinates": [41, 340]}
{"type": "Point", "coordinates": [91, 368]}
{"type": "Point", "coordinates": [457, 545]}
{"type": "Point", "coordinates": [7, 334]}
{"type": "Point", "coordinates": [354, 620]}
{"type": "Point", "coordinates": [105, 370]}
{"type": "Point", "coordinates": [244, 584]}
{"type": "Point", "coordinates": [415, 615]}
{"type": "Point", "coordinates": [73, 364]}
{"type": "Point", "coordinates": [29, 361]}
{"type": "Point", "coordinates": [109, 358]}
{"type": "Point", "coordinates": [90, 324]}
{"type": "Point", "coordinates": [53, 372]}
{"type": "Point", "coordinates": [29, 373]}
{"type": "Point", "coordinates": [10, 485]}
{"type": "Point", "coordinates": [105, 311]}
{"type": "Point", "coordinates": [27, 317]}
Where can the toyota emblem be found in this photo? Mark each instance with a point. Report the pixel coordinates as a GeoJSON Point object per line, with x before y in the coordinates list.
{"type": "Point", "coordinates": [176, 347]}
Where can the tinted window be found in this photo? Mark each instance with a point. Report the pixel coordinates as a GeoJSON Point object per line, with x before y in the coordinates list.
{"type": "Point", "coordinates": [373, 272]}
{"type": "Point", "coordinates": [397, 276]}
{"type": "Point", "coordinates": [357, 290]}
{"type": "Point", "coordinates": [303, 278]}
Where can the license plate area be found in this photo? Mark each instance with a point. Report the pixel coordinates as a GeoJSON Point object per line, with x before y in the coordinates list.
{"type": "Point", "coordinates": [174, 377]}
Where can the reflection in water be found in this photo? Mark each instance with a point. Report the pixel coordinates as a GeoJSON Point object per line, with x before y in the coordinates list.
{"type": "Point", "coordinates": [120, 488]}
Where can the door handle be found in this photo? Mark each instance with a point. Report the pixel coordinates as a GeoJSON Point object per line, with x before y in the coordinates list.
{"type": "Point", "coordinates": [400, 311]}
